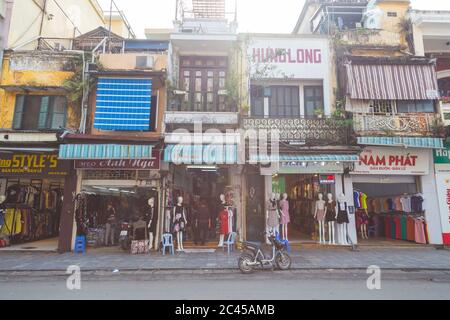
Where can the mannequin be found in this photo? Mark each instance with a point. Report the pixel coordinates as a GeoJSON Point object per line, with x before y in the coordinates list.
{"type": "Point", "coordinates": [179, 222]}
{"type": "Point", "coordinates": [319, 215]}
{"type": "Point", "coordinates": [272, 216]}
{"type": "Point", "coordinates": [149, 218]}
{"type": "Point", "coordinates": [342, 218]}
{"type": "Point", "coordinates": [330, 217]}
{"type": "Point", "coordinates": [285, 218]}
{"type": "Point", "coordinates": [222, 215]}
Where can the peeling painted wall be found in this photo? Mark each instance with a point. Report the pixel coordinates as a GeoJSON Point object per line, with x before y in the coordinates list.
{"type": "Point", "coordinates": [45, 72]}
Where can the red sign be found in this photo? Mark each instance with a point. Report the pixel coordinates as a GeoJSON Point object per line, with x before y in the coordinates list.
{"type": "Point", "coordinates": [121, 164]}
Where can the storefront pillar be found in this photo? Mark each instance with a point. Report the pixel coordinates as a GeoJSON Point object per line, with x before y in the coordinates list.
{"type": "Point", "coordinates": [68, 212]}
{"type": "Point", "coordinates": [344, 184]}
{"type": "Point", "coordinates": [431, 205]}
{"type": "Point", "coordinates": [236, 182]}
{"type": "Point", "coordinates": [267, 195]}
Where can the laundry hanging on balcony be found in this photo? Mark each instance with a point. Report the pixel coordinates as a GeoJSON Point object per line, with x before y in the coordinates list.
{"type": "Point", "coordinates": [392, 82]}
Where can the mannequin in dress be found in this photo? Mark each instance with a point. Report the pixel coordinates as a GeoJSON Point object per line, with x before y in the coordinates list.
{"type": "Point", "coordinates": [319, 215]}
{"type": "Point", "coordinates": [222, 213]}
{"type": "Point", "coordinates": [342, 218]}
{"type": "Point", "coordinates": [149, 218]}
{"type": "Point", "coordinates": [179, 222]}
{"type": "Point", "coordinates": [285, 218]}
{"type": "Point", "coordinates": [330, 217]}
{"type": "Point", "coordinates": [272, 216]}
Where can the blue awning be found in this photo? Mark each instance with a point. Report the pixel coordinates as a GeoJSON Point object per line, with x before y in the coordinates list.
{"type": "Point", "coordinates": [104, 151]}
{"type": "Point", "coordinates": [201, 154]}
{"type": "Point", "coordinates": [412, 142]}
{"type": "Point", "coordinates": [306, 158]}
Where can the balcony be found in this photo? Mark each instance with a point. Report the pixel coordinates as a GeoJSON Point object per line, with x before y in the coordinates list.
{"type": "Point", "coordinates": [370, 38]}
{"type": "Point", "coordinates": [421, 124]}
{"type": "Point", "coordinates": [303, 131]}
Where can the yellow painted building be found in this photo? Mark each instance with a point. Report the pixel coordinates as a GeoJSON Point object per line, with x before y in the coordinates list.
{"type": "Point", "coordinates": [31, 77]}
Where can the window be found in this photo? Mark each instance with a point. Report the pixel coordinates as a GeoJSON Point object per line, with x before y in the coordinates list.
{"type": "Point", "coordinates": [202, 79]}
{"type": "Point", "coordinates": [382, 106]}
{"type": "Point", "coordinates": [39, 112]}
{"type": "Point", "coordinates": [392, 14]}
{"type": "Point", "coordinates": [257, 101]}
{"type": "Point", "coordinates": [313, 101]}
{"type": "Point", "coordinates": [405, 106]}
{"type": "Point", "coordinates": [284, 101]}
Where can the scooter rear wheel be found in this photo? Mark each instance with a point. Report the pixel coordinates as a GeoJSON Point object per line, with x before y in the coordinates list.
{"type": "Point", "coordinates": [244, 265]}
{"type": "Point", "coordinates": [283, 260]}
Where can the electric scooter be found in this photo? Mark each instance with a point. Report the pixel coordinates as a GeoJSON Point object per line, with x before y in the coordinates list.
{"type": "Point", "coordinates": [254, 256]}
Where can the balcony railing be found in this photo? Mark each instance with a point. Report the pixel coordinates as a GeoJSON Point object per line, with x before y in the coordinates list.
{"type": "Point", "coordinates": [308, 131]}
{"type": "Point", "coordinates": [369, 37]}
{"type": "Point", "coordinates": [400, 124]}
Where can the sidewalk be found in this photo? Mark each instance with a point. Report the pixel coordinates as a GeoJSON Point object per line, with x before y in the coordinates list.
{"type": "Point", "coordinates": [336, 258]}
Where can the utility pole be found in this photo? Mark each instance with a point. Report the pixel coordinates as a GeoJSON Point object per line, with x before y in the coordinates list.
{"type": "Point", "coordinates": [44, 8]}
{"type": "Point", "coordinates": [110, 26]}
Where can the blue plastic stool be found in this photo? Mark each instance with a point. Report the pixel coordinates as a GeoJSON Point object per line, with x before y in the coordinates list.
{"type": "Point", "coordinates": [80, 245]}
{"type": "Point", "coordinates": [285, 242]}
{"type": "Point", "coordinates": [167, 242]}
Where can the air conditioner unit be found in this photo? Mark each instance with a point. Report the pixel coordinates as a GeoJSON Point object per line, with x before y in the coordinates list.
{"type": "Point", "coordinates": [145, 62]}
{"type": "Point", "coordinates": [358, 25]}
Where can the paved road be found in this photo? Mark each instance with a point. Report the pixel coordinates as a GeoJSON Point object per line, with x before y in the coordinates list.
{"type": "Point", "coordinates": [192, 285]}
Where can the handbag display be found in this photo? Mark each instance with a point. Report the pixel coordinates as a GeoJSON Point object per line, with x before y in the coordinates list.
{"type": "Point", "coordinates": [140, 246]}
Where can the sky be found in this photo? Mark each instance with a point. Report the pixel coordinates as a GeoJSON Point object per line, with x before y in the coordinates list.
{"type": "Point", "coordinates": [271, 16]}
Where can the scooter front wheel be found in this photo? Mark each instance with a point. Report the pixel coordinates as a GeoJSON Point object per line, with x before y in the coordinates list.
{"type": "Point", "coordinates": [244, 263]}
{"type": "Point", "coordinates": [283, 260]}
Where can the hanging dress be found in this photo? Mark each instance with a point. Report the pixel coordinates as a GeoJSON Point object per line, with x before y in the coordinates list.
{"type": "Point", "coordinates": [331, 211]}
{"type": "Point", "coordinates": [179, 223]}
{"type": "Point", "coordinates": [272, 217]}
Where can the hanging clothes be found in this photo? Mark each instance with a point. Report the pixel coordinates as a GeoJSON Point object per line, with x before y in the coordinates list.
{"type": "Point", "coordinates": [223, 220]}
{"type": "Point", "coordinates": [356, 198]}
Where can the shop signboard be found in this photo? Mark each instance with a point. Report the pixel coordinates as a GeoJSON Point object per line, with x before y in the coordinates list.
{"type": "Point", "coordinates": [301, 58]}
{"type": "Point", "coordinates": [41, 165]}
{"type": "Point", "coordinates": [393, 161]}
{"type": "Point", "coordinates": [442, 159]}
{"type": "Point", "coordinates": [120, 164]}
{"type": "Point", "coordinates": [443, 189]}
{"type": "Point", "coordinates": [295, 167]}
{"type": "Point", "coordinates": [327, 179]}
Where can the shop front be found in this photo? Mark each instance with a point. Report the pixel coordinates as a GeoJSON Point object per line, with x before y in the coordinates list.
{"type": "Point", "coordinates": [442, 169]}
{"type": "Point", "coordinates": [395, 196]}
{"type": "Point", "coordinates": [118, 188]}
{"type": "Point", "coordinates": [32, 184]}
{"type": "Point", "coordinates": [204, 186]}
{"type": "Point", "coordinates": [302, 188]}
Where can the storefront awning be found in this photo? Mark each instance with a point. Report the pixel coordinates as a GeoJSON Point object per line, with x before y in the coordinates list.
{"type": "Point", "coordinates": [104, 151]}
{"type": "Point", "coordinates": [412, 142]}
{"type": "Point", "coordinates": [306, 158]}
{"type": "Point", "coordinates": [392, 82]}
{"type": "Point", "coordinates": [200, 154]}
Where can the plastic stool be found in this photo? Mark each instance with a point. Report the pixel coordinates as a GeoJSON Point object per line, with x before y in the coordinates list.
{"type": "Point", "coordinates": [80, 245]}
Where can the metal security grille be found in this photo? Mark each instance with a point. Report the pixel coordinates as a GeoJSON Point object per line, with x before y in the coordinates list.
{"type": "Point", "coordinates": [123, 104]}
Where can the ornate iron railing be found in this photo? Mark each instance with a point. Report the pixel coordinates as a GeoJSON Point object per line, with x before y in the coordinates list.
{"type": "Point", "coordinates": [410, 124]}
{"type": "Point", "coordinates": [309, 131]}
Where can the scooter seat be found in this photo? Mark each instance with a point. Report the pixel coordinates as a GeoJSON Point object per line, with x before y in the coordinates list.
{"type": "Point", "coordinates": [253, 245]}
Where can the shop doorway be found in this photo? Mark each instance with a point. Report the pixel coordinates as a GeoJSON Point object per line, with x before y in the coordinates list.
{"type": "Point", "coordinates": [31, 212]}
{"type": "Point", "coordinates": [255, 217]}
{"type": "Point", "coordinates": [389, 211]}
{"type": "Point", "coordinates": [102, 210]}
{"type": "Point", "coordinates": [303, 191]}
{"type": "Point", "coordinates": [201, 186]}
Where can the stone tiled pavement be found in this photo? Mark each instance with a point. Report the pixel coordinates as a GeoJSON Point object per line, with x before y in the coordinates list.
{"type": "Point", "coordinates": [392, 258]}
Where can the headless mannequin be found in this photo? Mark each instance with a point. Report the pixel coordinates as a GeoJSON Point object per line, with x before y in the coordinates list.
{"type": "Point", "coordinates": [285, 219]}
{"type": "Point", "coordinates": [272, 217]}
{"type": "Point", "coordinates": [342, 226]}
{"type": "Point", "coordinates": [223, 205]}
{"type": "Point", "coordinates": [331, 232]}
{"type": "Point", "coordinates": [320, 207]}
{"type": "Point", "coordinates": [364, 234]}
{"type": "Point", "coordinates": [151, 204]}
{"type": "Point", "coordinates": [179, 233]}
